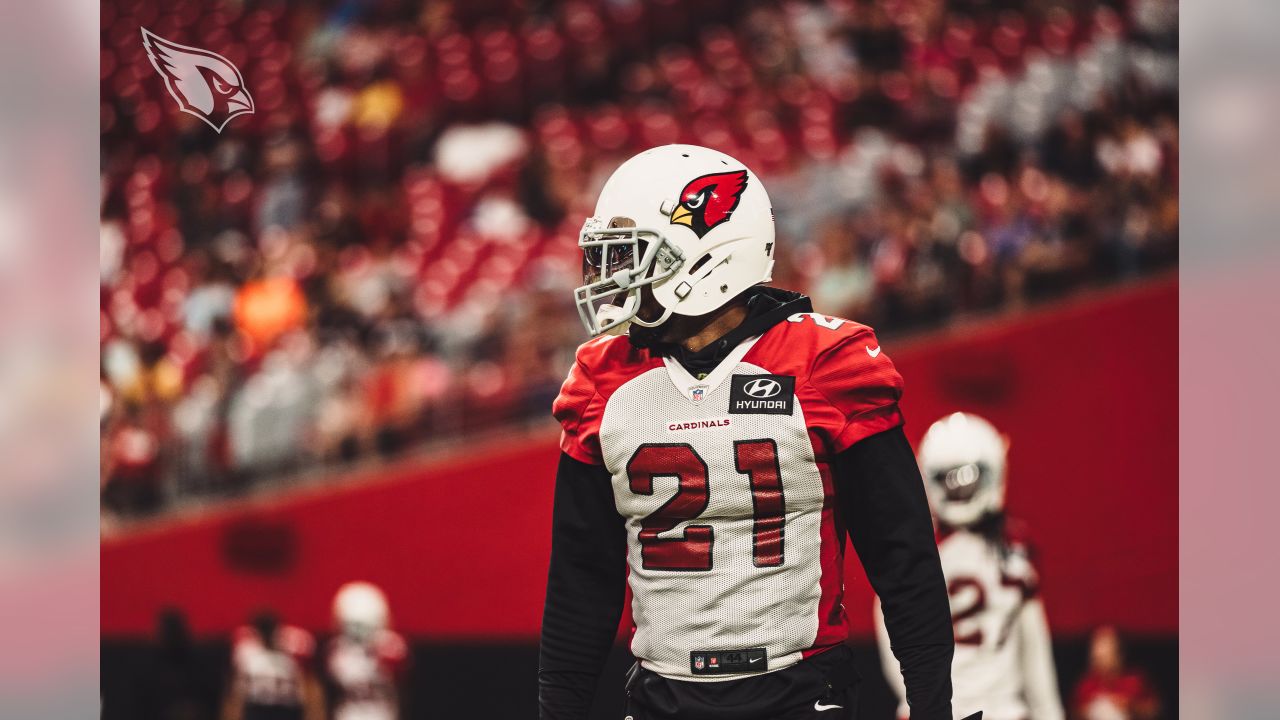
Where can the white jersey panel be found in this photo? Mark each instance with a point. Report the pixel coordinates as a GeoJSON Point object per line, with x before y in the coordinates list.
{"type": "Point", "coordinates": [741, 600]}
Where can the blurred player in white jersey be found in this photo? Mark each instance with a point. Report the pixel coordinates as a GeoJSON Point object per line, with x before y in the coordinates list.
{"type": "Point", "coordinates": [366, 660]}
{"type": "Point", "coordinates": [272, 677]}
{"type": "Point", "coordinates": [1003, 662]}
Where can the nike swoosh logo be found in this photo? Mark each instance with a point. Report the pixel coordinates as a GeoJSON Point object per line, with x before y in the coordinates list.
{"type": "Point", "coordinates": [755, 660]}
{"type": "Point", "coordinates": [874, 352]}
{"type": "Point", "coordinates": [817, 705]}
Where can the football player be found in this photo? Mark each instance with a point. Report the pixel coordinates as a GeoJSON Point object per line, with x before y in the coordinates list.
{"type": "Point", "coordinates": [720, 438]}
{"type": "Point", "coordinates": [366, 659]}
{"type": "Point", "coordinates": [1004, 658]}
{"type": "Point", "coordinates": [271, 673]}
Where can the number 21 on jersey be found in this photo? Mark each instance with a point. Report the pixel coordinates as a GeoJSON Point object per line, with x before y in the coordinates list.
{"type": "Point", "coordinates": [755, 459]}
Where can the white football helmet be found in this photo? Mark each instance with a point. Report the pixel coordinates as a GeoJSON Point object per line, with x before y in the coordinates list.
{"type": "Point", "coordinates": [360, 610]}
{"type": "Point", "coordinates": [691, 223]}
{"type": "Point", "coordinates": [962, 458]}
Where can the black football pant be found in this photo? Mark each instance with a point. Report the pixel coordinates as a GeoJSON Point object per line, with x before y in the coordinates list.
{"type": "Point", "coordinates": [821, 687]}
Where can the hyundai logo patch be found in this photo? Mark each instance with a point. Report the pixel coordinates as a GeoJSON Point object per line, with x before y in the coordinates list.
{"type": "Point", "coordinates": [763, 388]}
{"type": "Point", "coordinates": [762, 394]}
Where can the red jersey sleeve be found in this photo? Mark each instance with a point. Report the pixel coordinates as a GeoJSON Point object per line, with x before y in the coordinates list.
{"type": "Point", "coordinates": [1018, 569]}
{"type": "Point", "coordinates": [859, 387]}
{"type": "Point", "coordinates": [392, 652]}
{"type": "Point", "coordinates": [578, 408]}
{"type": "Point", "coordinates": [243, 636]}
{"type": "Point", "coordinates": [298, 643]}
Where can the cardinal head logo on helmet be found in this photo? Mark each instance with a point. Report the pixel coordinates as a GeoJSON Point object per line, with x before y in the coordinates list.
{"type": "Point", "coordinates": [204, 83]}
{"type": "Point", "coordinates": [709, 200]}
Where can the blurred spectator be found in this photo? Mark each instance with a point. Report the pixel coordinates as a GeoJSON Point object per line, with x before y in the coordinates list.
{"type": "Point", "coordinates": [178, 684]}
{"type": "Point", "coordinates": [844, 286]}
{"type": "Point", "coordinates": [1067, 152]}
{"type": "Point", "coordinates": [267, 308]}
{"type": "Point", "coordinates": [1110, 690]}
{"type": "Point", "coordinates": [131, 479]}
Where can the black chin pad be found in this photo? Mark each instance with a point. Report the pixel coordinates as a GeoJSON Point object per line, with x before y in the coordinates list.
{"type": "Point", "coordinates": [644, 338]}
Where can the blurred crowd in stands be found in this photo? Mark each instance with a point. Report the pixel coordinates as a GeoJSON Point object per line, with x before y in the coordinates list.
{"type": "Point", "coordinates": [382, 255]}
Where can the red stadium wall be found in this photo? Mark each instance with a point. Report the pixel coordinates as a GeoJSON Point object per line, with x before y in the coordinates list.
{"type": "Point", "coordinates": [1087, 391]}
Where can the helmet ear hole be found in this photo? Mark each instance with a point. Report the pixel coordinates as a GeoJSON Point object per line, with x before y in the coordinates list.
{"type": "Point", "coordinates": [701, 261]}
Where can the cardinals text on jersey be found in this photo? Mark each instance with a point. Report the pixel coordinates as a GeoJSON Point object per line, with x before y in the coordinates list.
{"type": "Point", "coordinates": [735, 555]}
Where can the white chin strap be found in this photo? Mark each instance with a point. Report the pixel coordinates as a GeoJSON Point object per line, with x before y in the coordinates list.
{"type": "Point", "coordinates": [613, 320]}
{"type": "Point", "coordinates": [616, 319]}
{"type": "Point", "coordinates": [666, 313]}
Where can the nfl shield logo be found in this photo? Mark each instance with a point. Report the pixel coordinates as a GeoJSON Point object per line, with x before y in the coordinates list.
{"type": "Point", "coordinates": [699, 662]}
{"type": "Point", "coordinates": [697, 394]}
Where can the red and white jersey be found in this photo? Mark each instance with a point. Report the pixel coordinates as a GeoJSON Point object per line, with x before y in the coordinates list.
{"type": "Point", "coordinates": [271, 676]}
{"type": "Point", "coordinates": [1124, 696]}
{"type": "Point", "coordinates": [1003, 662]}
{"type": "Point", "coordinates": [364, 676]}
{"type": "Point", "coordinates": [736, 558]}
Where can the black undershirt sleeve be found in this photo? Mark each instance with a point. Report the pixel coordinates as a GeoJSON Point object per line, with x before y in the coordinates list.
{"type": "Point", "coordinates": [585, 589]}
{"type": "Point", "coordinates": [882, 501]}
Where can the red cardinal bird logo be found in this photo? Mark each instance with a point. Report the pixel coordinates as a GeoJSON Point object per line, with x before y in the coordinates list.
{"type": "Point", "coordinates": [709, 200]}
{"type": "Point", "coordinates": [204, 83]}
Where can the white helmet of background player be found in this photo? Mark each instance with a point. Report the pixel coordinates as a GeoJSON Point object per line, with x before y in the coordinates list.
{"type": "Point", "coordinates": [690, 223]}
{"type": "Point", "coordinates": [962, 458]}
{"type": "Point", "coordinates": [360, 611]}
